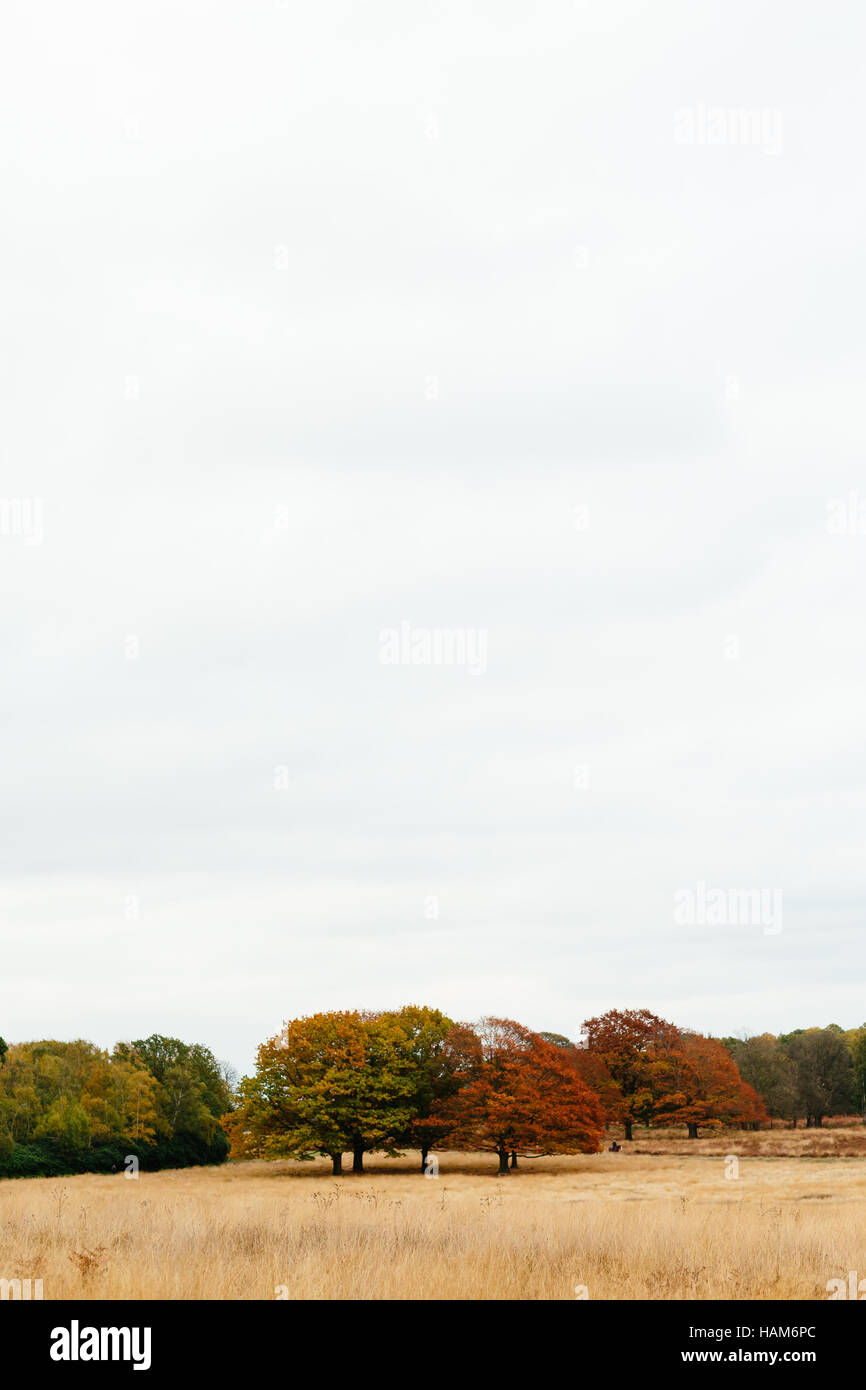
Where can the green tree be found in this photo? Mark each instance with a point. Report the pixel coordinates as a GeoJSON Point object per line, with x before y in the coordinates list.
{"type": "Point", "coordinates": [420, 1040]}
{"type": "Point", "coordinates": [558, 1040]}
{"type": "Point", "coordinates": [824, 1072]}
{"type": "Point", "coordinates": [855, 1039]}
{"type": "Point", "coordinates": [69, 1106]}
{"type": "Point", "coordinates": [67, 1121]}
{"type": "Point", "coordinates": [192, 1092]}
{"type": "Point", "coordinates": [765, 1065]}
{"type": "Point", "coordinates": [326, 1084]}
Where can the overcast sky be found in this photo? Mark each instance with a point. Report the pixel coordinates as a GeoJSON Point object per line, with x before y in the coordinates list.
{"type": "Point", "coordinates": [422, 427]}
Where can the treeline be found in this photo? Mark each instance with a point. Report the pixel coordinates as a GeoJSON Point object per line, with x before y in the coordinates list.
{"type": "Point", "coordinates": [356, 1082]}
{"type": "Point", "coordinates": [811, 1074]}
{"type": "Point", "coordinates": [70, 1107]}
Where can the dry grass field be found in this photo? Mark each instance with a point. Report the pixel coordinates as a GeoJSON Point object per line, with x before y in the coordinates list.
{"type": "Point", "coordinates": [660, 1220]}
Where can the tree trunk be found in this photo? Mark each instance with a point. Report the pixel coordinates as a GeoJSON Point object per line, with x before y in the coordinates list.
{"type": "Point", "coordinates": [693, 1131]}
{"type": "Point", "coordinates": [513, 1159]}
{"type": "Point", "coordinates": [819, 1121]}
{"type": "Point", "coordinates": [503, 1162]}
{"type": "Point", "coordinates": [337, 1161]}
{"type": "Point", "coordinates": [357, 1158]}
{"type": "Point", "coordinates": [425, 1149]}
{"type": "Point", "coordinates": [628, 1130]}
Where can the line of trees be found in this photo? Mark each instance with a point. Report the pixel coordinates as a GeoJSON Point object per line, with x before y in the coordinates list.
{"type": "Point", "coordinates": [810, 1074]}
{"type": "Point", "coordinates": [68, 1107]}
{"type": "Point", "coordinates": [354, 1082]}
{"type": "Point", "coordinates": [647, 1071]}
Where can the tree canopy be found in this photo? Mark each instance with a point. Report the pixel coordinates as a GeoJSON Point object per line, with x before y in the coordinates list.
{"type": "Point", "coordinates": [72, 1106]}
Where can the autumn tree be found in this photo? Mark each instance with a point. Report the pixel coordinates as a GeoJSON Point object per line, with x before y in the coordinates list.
{"type": "Point", "coordinates": [461, 1055]}
{"type": "Point", "coordinates": [420, 1040]}
{"type": "Point", "coordinates": [634, 1048]}
{"type": "Point", "coordinates": [72, 1107]}
{"type": "Point", "coordinates": [593, 1072]}
{"type": "Point", "coordinates": [518, 1094]}
{"type": "Point", "coordinates": [326, 1084]}
{"type": "Point", "coordinates": [705, 1089]}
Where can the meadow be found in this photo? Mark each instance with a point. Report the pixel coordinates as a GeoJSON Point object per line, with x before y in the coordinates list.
{"type": "Point", "coordinates": [668, 1218]}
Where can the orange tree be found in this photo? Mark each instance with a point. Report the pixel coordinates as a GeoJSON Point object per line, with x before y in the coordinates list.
{"type": "Point", "coordinates": [706, 1089]}
{"type": "Point", "coordinates": [335, 1082]}
{"type": "Point", "coordinates": [630, 1052]}
{"type": "Point", "coordinates": [518, 1094]}
{"type": "Point", "coordinates": [595, 1074]}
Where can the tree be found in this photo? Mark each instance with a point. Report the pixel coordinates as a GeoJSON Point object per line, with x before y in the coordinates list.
{"type": "Point", "coordinates": [134, 1099]}
{"type": "Point", "coordinates": [461, 1055]}
{"type": "Point", "coordinates": [4, 1048]}
{"type": "Point", "coordinates": [421, 1040]}
{"type": "Point", "coordinates": [192, 1095]}
{"type": "Point", "coordinates": [519, 1094]}
{"type": "Point", "coordinates": [634, 1048]}
{"type": "Point", "coordinates": [72, 1107]}
{"type": "Point", "coordinates": [856, 1040]}
{"type": "Point", "coordinates": [824, 1072]}
{"type": "Point", "coordinates": [558, 1040]}
{"type": "Point", "coordinates": [325, 1084]}
{"type": "Point", "coordinates": [67, 1121]}
{"type": "Point", "coordinates": [763, 1064]}
{"type": "Point", "coordinates": [706, 1090]}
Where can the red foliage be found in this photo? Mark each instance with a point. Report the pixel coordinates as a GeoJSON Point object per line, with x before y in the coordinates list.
{"type": "Point", "coordinates": [521, 1095]}
{"type": "Point", "coordinates": [630, 1052]}
{"type": "Point", "coordinates": [706, 1088]}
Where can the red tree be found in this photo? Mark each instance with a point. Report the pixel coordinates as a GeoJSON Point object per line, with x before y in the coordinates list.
{"type": "Point", "coordinates": [634, 1050]}
{"type": "Point", "coordinates": [520, 1095]}
{"type": "Point", "coordinates": [706, 1088]}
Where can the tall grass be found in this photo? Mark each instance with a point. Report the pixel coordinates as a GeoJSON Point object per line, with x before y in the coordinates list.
{"type": "Point", "coordinates": [621, 1226]}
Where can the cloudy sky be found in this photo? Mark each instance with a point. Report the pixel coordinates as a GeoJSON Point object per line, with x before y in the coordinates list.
{"type": "Point", "coordinates": [432, 514]}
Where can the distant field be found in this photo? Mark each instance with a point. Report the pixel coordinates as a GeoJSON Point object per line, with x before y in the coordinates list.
{"type": "Point", "coordinates": [660, 1220]}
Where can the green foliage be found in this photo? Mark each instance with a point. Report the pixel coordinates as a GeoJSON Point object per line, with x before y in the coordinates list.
{"type": "Point", "coordinates": [767, 1067]}
{"type": "Point", "coordinates": [336, 1082]}
{"type": "Point", "coordinates": [825, 1077]}
{"type": "Point", "coordinates": [193, 1093]}
{"type": "Point", "coordinates": [68, 1107]}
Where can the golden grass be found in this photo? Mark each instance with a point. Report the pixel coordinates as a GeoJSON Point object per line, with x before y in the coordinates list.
{"type": "Point", "coordinates": [633, 1225]}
